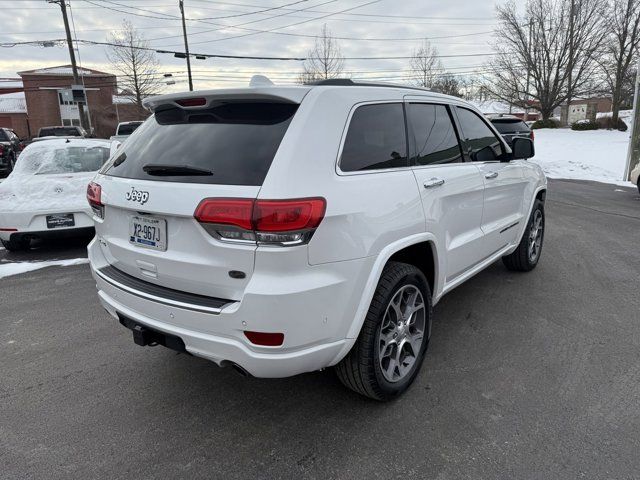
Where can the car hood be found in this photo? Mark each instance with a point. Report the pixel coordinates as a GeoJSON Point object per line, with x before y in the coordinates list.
{"type": "Point", "coordinates": [34, 193]}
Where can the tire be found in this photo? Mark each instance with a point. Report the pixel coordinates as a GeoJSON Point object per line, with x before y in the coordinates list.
{"type": "Point", "coordinates": [639, 185]}
{"type": "Point", "coordinates": [362, 370]}
{"type": "Point", "coordinates": [16, 246]}
{"type": "Point", "coordinates": [526, 257]}
{"type": "Point", "coordinates": [12, 162]}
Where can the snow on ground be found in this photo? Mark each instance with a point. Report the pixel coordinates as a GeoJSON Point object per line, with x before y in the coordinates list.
{"type": "Point", "coordinates": [598, 155]}
{"type": "Point", "coordinates": [8, 269]}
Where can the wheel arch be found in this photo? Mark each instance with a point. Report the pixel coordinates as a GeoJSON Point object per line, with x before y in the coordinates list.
{"type": "Point", "coordinates": [400, 250]}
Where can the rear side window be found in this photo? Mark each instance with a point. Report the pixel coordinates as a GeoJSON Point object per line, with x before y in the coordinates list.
{"type": "Point", "coordinates": [510, 126]}
{"type": "Point", "coordinates": [435, 138]}
{"type": "Point", "coordinates": [376, 139]}
{"type": "Point", "coordinates": [234, 141]}
{"type": "Point", "coordinates": [128, 128]}
{"type": "Point", "coordinates": [480, 141]}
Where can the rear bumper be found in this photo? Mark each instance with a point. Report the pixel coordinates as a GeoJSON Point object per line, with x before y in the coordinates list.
{"type": "Point", "coordinates": [34, 224]}
{"type": "Point", "coordinates": [314, 311]}
{"type": "Point", "coordinates": [54, 234]}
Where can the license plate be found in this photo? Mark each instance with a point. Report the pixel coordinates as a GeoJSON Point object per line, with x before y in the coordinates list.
{"type": "Point", "coordinates": [148, 232]}
{"type": "Point", "coordinates": [61, 220]}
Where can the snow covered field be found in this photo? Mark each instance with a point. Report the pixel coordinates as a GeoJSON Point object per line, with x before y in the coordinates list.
{"type": "Point", "coordinates": [598, 155]}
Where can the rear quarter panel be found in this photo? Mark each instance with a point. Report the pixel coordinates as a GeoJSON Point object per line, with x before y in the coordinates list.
{"type": "Point", "coordinates": [365, 212]}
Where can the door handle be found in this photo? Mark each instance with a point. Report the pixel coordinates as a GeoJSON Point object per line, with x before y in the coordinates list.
{"type": "Point", "coordinates": [433, 182]}
{"type": "Point", "coordinates": [491, 175]}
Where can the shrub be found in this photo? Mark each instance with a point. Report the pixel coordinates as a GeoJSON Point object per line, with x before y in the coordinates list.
{"type": "Point", "coordinates": [607, 122]}
{"type": "Point", "coordinates": [548, 123]}
{"type": "Point", "coordinates": [585, 125]}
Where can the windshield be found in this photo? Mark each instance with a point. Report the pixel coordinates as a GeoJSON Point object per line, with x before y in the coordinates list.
{"type": "Point", "coordinates": [235, 141]}
{"type": "Point", "coordinates": [510, 126]}
{"type": "Point", "coordinates": [41, 159]}
{"type": "Point", "coordinates": [128, 128]}
{"type": "Point", "coordinates": [59, 132]}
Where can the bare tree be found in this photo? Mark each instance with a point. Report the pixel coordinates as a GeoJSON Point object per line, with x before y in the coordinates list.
{"type": "Point", "coordinates": [324, 60]}
{"type": "Point", "coordinates": [549, 55]}
{"type": "Point", "coordinates": [137, 68]}
{"type": "Point", "coordinates": [623, 41]}
{"type": "Point", "coordinates": [585, 35]}
{"type": "Point", "coordinates": [425, 65]}
{"type": "Point", "coordinates": [449, 84]}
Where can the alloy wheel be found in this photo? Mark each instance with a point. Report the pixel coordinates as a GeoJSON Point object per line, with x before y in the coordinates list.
{"type": "Point", "coordinates": [402, 333]}
{"type": "Point", "coordinates": [535, 236]}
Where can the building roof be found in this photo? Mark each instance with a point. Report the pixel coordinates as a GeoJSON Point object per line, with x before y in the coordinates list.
{"type": "Point", "coordinates": [10, 83]}
{"type": "Point", "coordinates": [65, 71]}
{"type": "Point", "coordinates": [13, 103]}
{"type": "Point", "coordinates": [489, 107]}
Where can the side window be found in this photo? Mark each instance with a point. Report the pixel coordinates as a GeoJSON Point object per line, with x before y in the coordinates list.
{"type": "Point", "coordinates": [479, 139]}
{"type": "Point", "coordinates": [376, 139]}
{"type": "Point", "coordinates": [434, 135]}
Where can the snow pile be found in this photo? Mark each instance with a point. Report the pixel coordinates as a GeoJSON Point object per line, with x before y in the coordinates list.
{"type": "Point", "coordinates": [598, 155]}
{"type": "Point", "coordinates": [9, 269]}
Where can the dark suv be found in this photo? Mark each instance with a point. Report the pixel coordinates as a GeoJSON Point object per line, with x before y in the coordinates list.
{"type": "Point", "coordinates": [511, 127]}
{"type": "Point", "coordinates": [10, 147]}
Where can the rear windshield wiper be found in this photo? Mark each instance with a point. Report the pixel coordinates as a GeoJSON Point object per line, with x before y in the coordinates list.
{"type": "Point", "coordinates": [171, 170]}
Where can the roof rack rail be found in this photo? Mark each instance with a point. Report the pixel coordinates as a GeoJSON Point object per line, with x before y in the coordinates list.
{"type": "Point", "coordinates": [347, 82]}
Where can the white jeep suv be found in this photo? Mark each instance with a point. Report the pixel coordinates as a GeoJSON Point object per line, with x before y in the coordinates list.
{"type": "Point", "coordinates": [282, 230]}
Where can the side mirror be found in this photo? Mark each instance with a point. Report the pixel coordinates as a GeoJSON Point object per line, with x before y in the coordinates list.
{"type": "Point", "coordinates": [522, 148]}
{"type": "Point", "coordinates": [486, 154]}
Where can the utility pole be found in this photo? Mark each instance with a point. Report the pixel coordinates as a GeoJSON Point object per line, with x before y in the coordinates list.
{"type": "Point", "coordinates": [186, 45]}
{"type": "Point", "coordinates": [633, 154]}
{"type": "Point", "coordinates": [526, 108]}
{"type": "Point", "coordinates": [72, 56]}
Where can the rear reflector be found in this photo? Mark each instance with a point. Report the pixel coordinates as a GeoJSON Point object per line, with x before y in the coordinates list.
{"type": "Point", "coordinates": [8, 229]}
{"type": "Point", "coordinates": [192, 102]}
{"type": "Point", "coordinates": [265, 339]}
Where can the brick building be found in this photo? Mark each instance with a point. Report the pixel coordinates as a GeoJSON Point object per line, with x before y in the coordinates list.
{"type": "Point", "coordinates": [43, 97]}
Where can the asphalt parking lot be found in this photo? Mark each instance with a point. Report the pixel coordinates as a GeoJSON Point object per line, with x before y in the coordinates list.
{"type": "Point", "coordinates": [528, 376]}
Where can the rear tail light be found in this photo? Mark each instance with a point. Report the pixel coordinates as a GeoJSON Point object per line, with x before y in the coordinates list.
{"type": "Point", "coordinates": [265, 339]}
{"type": "Point", "coordinates": [1, 149]}
{"type": "Point", "coordinates": [276, 222]}
{"type": "Point", "coordinates": [532, 136]}
{"type": "Point", "coordinates": [94, 197]}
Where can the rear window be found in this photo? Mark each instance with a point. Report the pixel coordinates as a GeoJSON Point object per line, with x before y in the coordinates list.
{"type": "Point", "coordinates": [376, 139]}
{"type": "Point", "coordinates": [234, 141]}
{"type": "Point", "coordinates": [3, 136]}
{"type": "Point", "coordinates": [128, 128]}
{"type": "Point", "coordinates": [42, 158]}
{"type": "Point", "coordinates": [510, 126]}
{"type": "Point", "coordinates": [59, 132]}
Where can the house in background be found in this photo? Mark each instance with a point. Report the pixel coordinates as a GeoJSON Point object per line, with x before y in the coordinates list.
{"type": "Point", "coordinates": [497, 107]}
{"type": "Point", "coordinates": [13, 106]}
{"type": "Point", "coordinates": [43, 97]}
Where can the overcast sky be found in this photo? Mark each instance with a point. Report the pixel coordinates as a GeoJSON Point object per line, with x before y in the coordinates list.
{"type": "Point", "coordinates": [466, 24]}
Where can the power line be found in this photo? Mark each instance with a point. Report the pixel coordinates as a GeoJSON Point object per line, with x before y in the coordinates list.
{"type": "Point", "coordinates": [245, 57]}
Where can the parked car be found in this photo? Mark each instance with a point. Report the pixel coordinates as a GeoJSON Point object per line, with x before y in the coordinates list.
{"type": "Point", "coordinates": [10, 147]}
{"type": "Point", "coordinates": [44, 196]}
{"type": "Point", "coordinates": [46, 133]}
{"type": "Point", "coordinates": [511, 127]}
{"type": "Point", "coordinates": [125, 129]}
{"type": "Point", "coordinates": [635, 176]}
{"type": "Point", "coordinates": [282, 230]}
